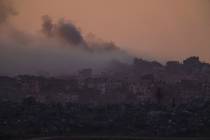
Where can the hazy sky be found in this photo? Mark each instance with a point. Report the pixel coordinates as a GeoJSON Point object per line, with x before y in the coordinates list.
{"type": "Point", "coordinates": [161, 29]}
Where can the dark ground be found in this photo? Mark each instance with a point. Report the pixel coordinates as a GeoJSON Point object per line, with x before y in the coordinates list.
{"type": "Point", "coordinates": [118, 138]}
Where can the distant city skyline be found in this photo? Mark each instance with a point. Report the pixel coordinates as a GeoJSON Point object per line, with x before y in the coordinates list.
{"type": "Point", "coordinates": [62, 36]}
{"type": "Point", "coordinates": [104, 69]}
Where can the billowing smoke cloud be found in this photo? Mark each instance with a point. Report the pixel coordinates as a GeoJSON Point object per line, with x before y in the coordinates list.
{"type": "Point", "coordinates": [71, 34]}
{"type": "Point", "coordinates": [6, 10]}
{"type": "Point", "coordinates": [62, 50]}
{"type": "Point", "coordinates": [64, 30]}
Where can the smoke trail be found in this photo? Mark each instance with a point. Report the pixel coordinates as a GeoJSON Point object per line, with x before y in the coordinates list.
{"type": "Point", "coordinates": [61, 51]}
{"type": "Point", "coordinates": [64, 30]}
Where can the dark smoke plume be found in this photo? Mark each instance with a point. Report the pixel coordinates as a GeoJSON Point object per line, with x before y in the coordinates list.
{"type": "Point", "coordinates": [62, 50]}
{"type": "Point", "coordinates": [6, 10]}
{"type": "Point", "coordinates": [70, 33]}
{"type": "Point", "coordinates": [64, 30]}
{"type": "Point", "coordinates": [47, 26]}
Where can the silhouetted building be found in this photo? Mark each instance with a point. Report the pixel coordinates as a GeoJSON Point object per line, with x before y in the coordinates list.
{"type": "Point", "coordinates": [191, 61]}
{"type": "Point", "coordinates": [85, 73]}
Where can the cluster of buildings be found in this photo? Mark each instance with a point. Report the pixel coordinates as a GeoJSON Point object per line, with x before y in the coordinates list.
{"type": "Point", "coordinates": [143, 81]}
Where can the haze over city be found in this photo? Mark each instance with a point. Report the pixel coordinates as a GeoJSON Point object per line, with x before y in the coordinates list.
{"type": "Point", "coordinates": [155, 29]}
{"type": "Point", "coordinates": [104, 69]}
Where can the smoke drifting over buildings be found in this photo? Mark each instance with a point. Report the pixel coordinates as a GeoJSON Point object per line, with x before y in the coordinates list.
{"type": "Point", "coordinates": [40, 95]}
{"type": "Point", "coordinates": [164, 30]}
{"type": "Point", "coordinates": [61, 50]}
